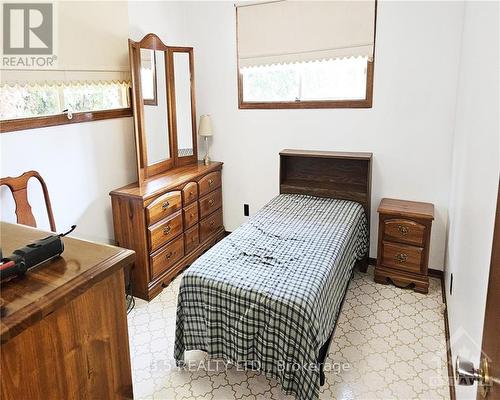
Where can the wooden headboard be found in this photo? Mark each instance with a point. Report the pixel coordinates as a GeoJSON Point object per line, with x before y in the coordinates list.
{"type": "Point", "coordinates": [338, 175]}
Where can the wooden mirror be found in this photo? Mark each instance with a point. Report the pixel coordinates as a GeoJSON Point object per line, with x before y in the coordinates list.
{"type": "Point", "coordinates": [164, 105]}
{"type": "Point", "coordinates": [181, 59]}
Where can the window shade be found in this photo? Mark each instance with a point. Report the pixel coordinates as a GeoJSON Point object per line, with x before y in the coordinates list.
{"type": "Point", "coordinates": [90, 42]}
{"type": "Point", "coordinates": [296, 31]}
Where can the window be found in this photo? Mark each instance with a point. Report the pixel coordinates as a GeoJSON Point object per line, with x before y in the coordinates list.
{"type": "Point", "coordinates": [298, 54]}
{"type": "Point", "coordinates": [76, 59]}
{"type": "Point", "coordinates": [340, 79]}
{"type": "Point", "coordinates": [35, 100]}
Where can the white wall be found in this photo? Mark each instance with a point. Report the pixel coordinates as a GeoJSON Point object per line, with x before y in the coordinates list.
{"type": "Point", "coordinates": [81, 164]}
{"type": "Point", "coordinates": [409, 129]}
{"type": "Point", "coordinates": [475, 181]}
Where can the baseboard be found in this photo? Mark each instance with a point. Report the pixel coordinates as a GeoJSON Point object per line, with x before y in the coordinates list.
{"type": "Point", "coordinates": [436, 273]}
{"type": "Point", "coordinates": [451, 376]}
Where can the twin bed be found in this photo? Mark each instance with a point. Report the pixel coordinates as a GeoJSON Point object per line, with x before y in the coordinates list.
{"type": "Point", "coordinates": [269, 294]}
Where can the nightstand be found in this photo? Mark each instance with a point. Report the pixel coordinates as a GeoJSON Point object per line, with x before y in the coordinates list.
{"type": "Point", "coordinates": [403, 243]}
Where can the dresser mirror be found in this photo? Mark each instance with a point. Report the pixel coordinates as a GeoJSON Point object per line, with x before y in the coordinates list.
{"type": "Point", "coordinates": [164, 105]}
{"type": "Point", "coordinates": [156, 130]}
{"type": "Point", "coordinates": [182, 60]}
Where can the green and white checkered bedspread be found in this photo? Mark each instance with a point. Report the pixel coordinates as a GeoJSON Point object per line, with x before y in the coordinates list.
{"type": "Point", "coordinates": [270, 293]}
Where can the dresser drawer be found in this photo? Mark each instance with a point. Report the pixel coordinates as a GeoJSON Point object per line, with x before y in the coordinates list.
{"type": "Point", "coordinates": [164, 231]}
{"type": "Point", "coordinates": [190, 193]}
{"type": "Point", "coordinates": [402, 257]}
{"type": "Point", "coordinates": [163, 206]}
{"type": "Point", "coordinates": [210, 203]}
{"type": "Point", "coordinates": [209, 182]}
{"type": "Point", "coordinates": [404, 231]}
{"type": "Point", "coordinates": [190, 215]}
{"type": "Point", "coordinates": [210, 225]}
{"type": "Point", "coordinates": [191, 239]}
{"type": "Point", "coordinates": [167, 257]}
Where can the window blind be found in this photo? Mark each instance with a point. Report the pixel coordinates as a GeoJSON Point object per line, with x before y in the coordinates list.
{"type": "Point", "coordinates": [90, 43]}
{"type": "Point", "coordinates": [296, 31]}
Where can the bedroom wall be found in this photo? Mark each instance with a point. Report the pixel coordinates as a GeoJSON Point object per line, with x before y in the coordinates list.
{"type": "Point", "coordinates": [409, 129]}
{"type": "Point", "coordinates": [82, 163]}
{"type": "Point", "coordinates": [476, 164]}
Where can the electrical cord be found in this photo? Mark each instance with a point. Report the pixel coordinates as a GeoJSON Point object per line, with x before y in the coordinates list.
{"type": "Point", "coordinates": [129, 298]}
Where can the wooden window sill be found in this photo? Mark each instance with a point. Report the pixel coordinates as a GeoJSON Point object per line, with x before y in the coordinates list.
{"type": "Point", "coordinates": [20, 124]}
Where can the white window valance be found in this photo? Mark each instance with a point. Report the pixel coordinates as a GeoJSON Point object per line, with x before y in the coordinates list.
{"type": "Point", "coordinates": [296, 31]}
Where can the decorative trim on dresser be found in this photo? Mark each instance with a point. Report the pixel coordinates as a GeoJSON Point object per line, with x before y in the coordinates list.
{"type": "Point", "coordinates": [403, 243]}
{"type": "Point", "coordinates": [169, 220]}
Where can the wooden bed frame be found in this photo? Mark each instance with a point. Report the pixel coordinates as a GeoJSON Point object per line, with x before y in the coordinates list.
{"type": "Point", "coordinates": [339, 175]}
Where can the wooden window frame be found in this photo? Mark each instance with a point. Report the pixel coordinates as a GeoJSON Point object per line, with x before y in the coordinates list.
{"type": "Point", "coordinates": [19, 124]}
{"type": "Point", "coordinates": [367, 102]}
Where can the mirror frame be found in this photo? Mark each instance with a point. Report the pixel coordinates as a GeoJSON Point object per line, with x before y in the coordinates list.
{"type": "Point", "coordinates": [153, 42]}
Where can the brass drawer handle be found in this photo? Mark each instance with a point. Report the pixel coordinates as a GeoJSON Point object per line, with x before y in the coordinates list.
{"type": "Point", "coordinates": [191, 215]}
{"type": "Point", "coordinates": [191, 194]}
{"type": "Point", "coordinates": [212, 223]}
{"type": "Point", "coordinates": [210, 182]}
{"type": "Point", "coordinates": [211, 202]}
{"type": "Point", "coordinates": [169, 255]}
{"type": "Point", "coordinates": [403, 230]}
{"type": "Point", "coordinates": [165, 205]}
{"type": "Point", "coordinates": [401, 257]}
{"type": "Point", "coordinates": [167, 230]}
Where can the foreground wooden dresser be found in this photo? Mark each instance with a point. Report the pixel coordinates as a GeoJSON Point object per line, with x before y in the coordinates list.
{"type": "Point", "coordinates": [64, 325]}
{"type": "Point", "coordinates": [403, 243]}
{"type": "Point", "coordinates": [169, 220]}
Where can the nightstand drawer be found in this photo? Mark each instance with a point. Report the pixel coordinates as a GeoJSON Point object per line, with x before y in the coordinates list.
{"type": "Point", "coordinates": [404, 231]}
{"type": "Point", "coordinates": [402, 257]}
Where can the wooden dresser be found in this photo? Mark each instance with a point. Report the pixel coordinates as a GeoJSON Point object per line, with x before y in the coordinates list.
{"type": "Point", "coordinates": [403, 243]}
{"type": "Point", "coordinates": [64, 324]}
{"type": "Point", "coordinates": [169, 220]}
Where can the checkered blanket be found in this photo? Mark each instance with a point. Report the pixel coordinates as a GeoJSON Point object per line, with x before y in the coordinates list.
{"type": "Point", "coordinates": [269, 294]}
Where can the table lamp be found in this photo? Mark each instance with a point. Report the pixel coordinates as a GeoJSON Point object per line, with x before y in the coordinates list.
{"type": "Point", "coordinates": [205, 130]}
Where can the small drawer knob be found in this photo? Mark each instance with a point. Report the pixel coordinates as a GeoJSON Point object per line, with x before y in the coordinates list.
{"type": "Point", "coordinates": [169, 255]}
{"type": "Point", "coordinates": [165, 205]}
{"type": "Point", "coordinates": [211, 202]}
{"type": "Point", "coordinates": [212, 223]}
{"type": "Point", "coordinates": [166, 230]}
{"type": "Point", "coordinates": [210, 182]}
{"type": "Point", "coordinates": [403, 230]}
{"type": "Point", "coordinates": [401, 257]}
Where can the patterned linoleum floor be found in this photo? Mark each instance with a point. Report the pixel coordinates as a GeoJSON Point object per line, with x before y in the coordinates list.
{"type": "Point", "coordinates": [389, 344]}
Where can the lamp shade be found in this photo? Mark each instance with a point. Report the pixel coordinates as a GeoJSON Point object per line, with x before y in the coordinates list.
{"type": "Point", "coordinates": [205, 127]}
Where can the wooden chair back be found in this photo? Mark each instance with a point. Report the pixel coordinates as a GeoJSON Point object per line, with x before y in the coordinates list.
{"type": "Point", "coordinates": [19, 188]}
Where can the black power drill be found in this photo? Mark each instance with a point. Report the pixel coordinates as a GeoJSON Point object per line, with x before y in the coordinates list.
{"type": "Point", "coordinates": [33, 254]}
